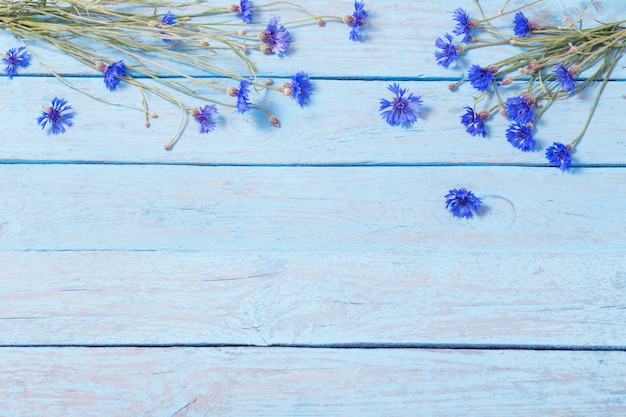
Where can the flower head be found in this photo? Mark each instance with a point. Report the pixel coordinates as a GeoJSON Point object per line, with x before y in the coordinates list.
{"type": "Point", "coordinates": [243, 105]}
{"type": "Point", "coordinates": [245, 8]}
{"type": "Point", "coordinates": [15, 57]}
{"type": "Point", "coordinates": [58, 115]}
{"type": "Point", "coordinates": [521, 26]}
{"type": "Point", "coordinates": [203, 116]}
{"type": "Point", "coordinates": [299, 89]}
{"type": "Point", "coordinates": [448, 52]}
{"type": "Point", "coordinates": [481, 77]}
{"type": "Point", "coordinates": [276, 38]}
{"type": "Point", "coordinates": [463, 25]}
{"type": "Point", "coordinates": [559, 154]}
{"type": "Point", "coordinates": [169, 19]}
{"type": "Point", "coordinates": [474, 122]}
{"type": "Point", "coordinates": [564, 77]}
{"type": "Point", "coordinates": [357, 20]}
{"type": "Point", "coordinates": [462, 202]}
{"type": "Point", "coordinates": [520, 136]}
{"type": "Point", "coordinates": [401, 110]}
{"type": "Point", "coordinates": [113, 73]}
{"type": "Point", "coordinates": [520, 109]}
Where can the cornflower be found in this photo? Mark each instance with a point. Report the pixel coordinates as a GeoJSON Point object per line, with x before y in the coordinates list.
{"type": "Point", "coordinates": [113, 73]}
{"type": "Point", "coordinates": [57, 114]}
{"type": "Point", "coordinates": [520, 136]}
{"type": "Point", "coordinates": [481, 77]}
{"type": "Point", "coordinates": [299, 89]}
{"type": "Point", "coordinates": [520, 109]}
{"type": "Point", "coordinates": [564, 77]}
{"type": "Point", "coordinates": [448, 52]}
{"type": "Point", "coordinates": [473, 122]}
{"type": "Point", "coordinates": [559, 154]}
{"type": "Point", "coordinates": [276, 38]}
{"type": "Point", "coordinates": [243, 105]}
{"type": "Point", "coordinates": [204, 116]}
{"type": "Point", "coordinates": [462, 202]}
{"type": "Point", "coordinates": [169, 19]}
{"type": "Point", "coordinates": [464, 25]}
{"type": "Point", "coordinates": [14, 58]}
{"type": "Point", "coordinates": [244, 8]}
{"type": "Point", "coordinates": [401, 110]}
{"type": "Point", "coordinates": [522, 27]}
{"type": "Point", "coordinates": [357, 20]}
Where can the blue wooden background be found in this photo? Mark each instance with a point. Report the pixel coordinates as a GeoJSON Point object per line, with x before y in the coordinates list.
{"type": "Point", "coordinates": [313, 270]}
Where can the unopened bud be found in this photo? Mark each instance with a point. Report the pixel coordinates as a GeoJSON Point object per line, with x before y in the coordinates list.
{"type": "Point", "coordinates": [502, 111]}
{"type": "Point", "coordinates": [242, 32]}
{"type": "Point", "coordinates": [483, 114]}
{"type": "Point", "coordinates": [506, 81]}
{"type": "Point", "coordinates": [232, 91]}
{"type": "Point", "coordinates": [274, 121]}
{"type": "Point", "coordinates": [269, 81]}
{"type": "Point", "coordinates": [452, 87]}
{"type": "Point", "coordinates": [492, 69]}
{"type": "Point", "coordinates": [204, 43]}
{"type": "Point", "coordinates": [101, 66]}
{"type": "Point", "coordinates": [574, 70]}
{"type": "Point", "coordinates": [154, 115]}
{"type": "Point", "coordinates": [320, 21]}
{"type": "Point", "coordinates": [267, 49]}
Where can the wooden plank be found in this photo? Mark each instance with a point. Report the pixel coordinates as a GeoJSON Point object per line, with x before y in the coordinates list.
{"type": "Point", "coordinates": [398, 39]}
{"type": "Point", "coordinates": [305, 382]}
{"type": "Point", "coordinates": [153, 207]}
{"type": "Point", "coordinates": [334, 129]}
{"type": "Point", "coordinates": [419, 297]}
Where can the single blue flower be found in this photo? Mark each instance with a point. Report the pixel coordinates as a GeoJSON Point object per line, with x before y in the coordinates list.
{"type": "Point", "coordinates": [169, 19]}
{"type": "Point", "coordinates": [520, 109]}
{"type": "Point", "coordinates": [57, 114]}
{"type": "Point", "coordinates": [401, 110]}
{"type": "Point", "coordinates": [564, 77]}
{"type": "Point", "coordinates": [14, 58]}
{"type": "Point", "coordinates": [481, 77]}
{"type": "Point", "coordinates": [299, 88]}
{"type": "Point", "coordinates": [243, 105]}
{"type": "Point", "coordinates": [520, 136]}
{"type": "Point", "coordinates": [521, 26]}
{"type": "Point", "coordinates": [463, 25]}
{"type": "Point", "coordinates": [357, 20]}
{"type": "Point", "coordinates": [203, 116]}
{"type": "Point", "coordinates": [276, 38]}
{"type": "Point", "coordinates": [113, 74]}
{"type": "Point", "coordinates": [448, 52]}
{"type": "Point", "coordinates": [559, 154]}
{"type": "Point", "coordinates": [473, 122]}
{"type": "Point", "coordinates": [462, 202]}
{"type": "Point", "coordinates": [245, 8]}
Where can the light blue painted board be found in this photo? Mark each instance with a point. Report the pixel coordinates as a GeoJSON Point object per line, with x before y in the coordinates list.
{"type": "Point", "coordinates": [310, 382]}
{"type": "Point", "coordinates": [411, 297]}
{"type": "Point", "coordinates": [114, 207]}
{"type": "Point", "coordinates": [342, 125]}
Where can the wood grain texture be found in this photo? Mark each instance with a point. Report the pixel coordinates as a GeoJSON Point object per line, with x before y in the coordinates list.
{"type": "Point", "coordinates": [341, 126]}
{"type": "Point", "coordinates": [310, 382]}
{"type": "Point", "coordinates": [152, 207]}
{"type": "Point", "coordinates": [263, 298]}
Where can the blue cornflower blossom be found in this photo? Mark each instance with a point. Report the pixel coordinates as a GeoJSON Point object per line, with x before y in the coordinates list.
{"type": "Point", "coordinates": [481, 77]}
{"type": "Point", "coordinates": [474, 122]}
{"type": "Point", "coordinates": [299, 88]}
{"type": "Point", "coordinates": [559, 154]}
{"type": "Point", "coordinates": [57, 114]}
{"type": "Point", "coordinates": [521, 26]}
{"type": "Point", "coordinates": [463, 25]}
{"type": "Point", "coordinates": [203, 116]}
{"type": "Point", "coordinates": [462, 202]}
{"type": "Point", "coordinates": [520, 136]}
{"type": "Point", "coordinates": [448, 52]}
{"type": "Point", "coordinates": [401, 110]}
{"type": "Point", "coordinates": [276, 38]}
{"type": "Point", "coordinates": [113, 73]}
{"type": "Point", "coordinates": [169, 19]}
{"type": "Point", "coordinates": [520, 109]}
{"type": "Point", "coordinates": [15, 57]}
{"type": "Point", "coordinates": [564, 77]}
{"type": "Point", "coordinates": [243, 105]}
{"type": "Point", "coordinates": [245, 8]}
{"type": "Point", "coordinates": [357, 20]}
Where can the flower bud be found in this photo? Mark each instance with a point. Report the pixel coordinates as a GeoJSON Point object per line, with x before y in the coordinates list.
{"type": "Point", "coordinates": [274, 121]}
{"type": "Point", "coordinates": [266, 49]}
{"type": "Point", "coordinates": [101, 66]}
{"type": "Point", "coordinates": [320, 21]}
{"type": "Point", "coordinates": [242, 32]}
{"type": "Point", "coordinates": [287, 89]}
{"type": "Point", "coordinates": [232, 91]}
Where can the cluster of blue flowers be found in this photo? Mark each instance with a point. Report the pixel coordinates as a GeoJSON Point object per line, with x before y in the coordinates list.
{"type": "Point", "coordinates": [275, 39]}
{"type": "Point", "coordinates": [520, 110]}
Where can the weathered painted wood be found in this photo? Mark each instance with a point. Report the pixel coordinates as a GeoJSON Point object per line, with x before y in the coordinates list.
{"type": "Point", "coordinates": [153, 207]}
{"type": "Point", "coordinates": [419, 297]}
{"type": "Point", "coordinates": [310, 382]}
{"type": "Point", "coordinates": [342, 125]}
{"type": "Point", "coordinates": [398, 39]}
